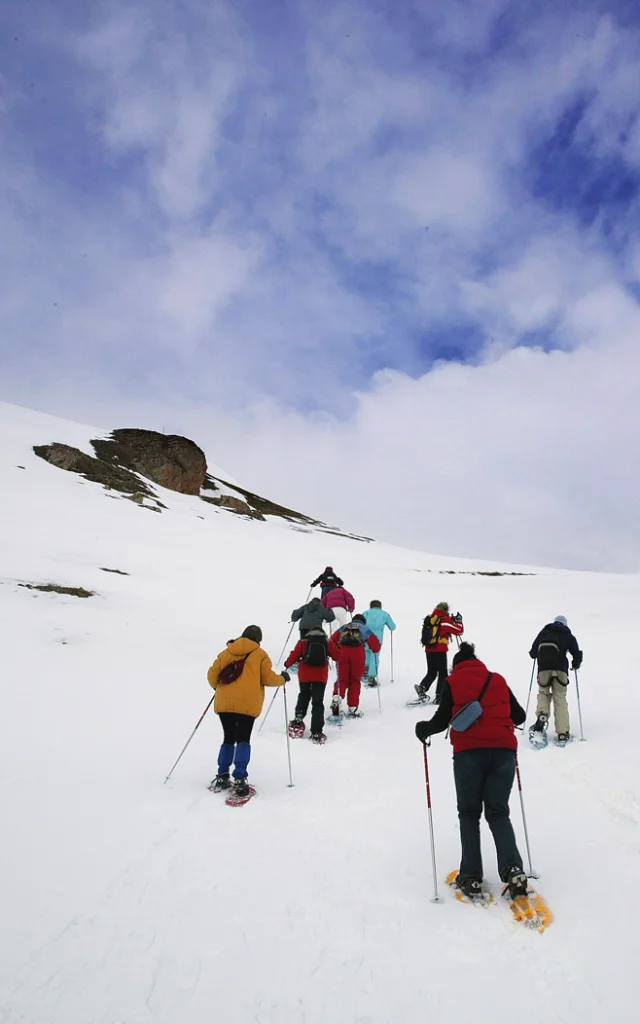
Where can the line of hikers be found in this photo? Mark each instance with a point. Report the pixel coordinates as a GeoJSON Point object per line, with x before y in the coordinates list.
{"type": "Point", "coordinates": [475, 704]}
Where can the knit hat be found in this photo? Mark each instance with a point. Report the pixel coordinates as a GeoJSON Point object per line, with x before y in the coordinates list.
{"type": "Point", "coordinates": [358, 618]}
{"type": "Point", "coordinates": [443, 606]}
{"type": "Point", "coordinates": [561, 619]}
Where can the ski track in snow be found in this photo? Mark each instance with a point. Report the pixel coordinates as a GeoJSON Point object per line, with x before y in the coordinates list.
{"type": "Point", "coordinates": [128, 901]}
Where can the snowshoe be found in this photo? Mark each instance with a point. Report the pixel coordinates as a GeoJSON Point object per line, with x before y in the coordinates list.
{"type": "Point", "coordinates": [562, 739]}
{"type": "Point", "coordinates": [538, 733]}
{"type": "Point", "coordinates": [336, 714]}
{"type": "Point", "coordinates": [371, 681]}
{"type": "Point", "coordinates": [420, 701]}
{"type": "Point", "coordinates": [516, 883]}
{"type": "Point", "coordinates": [240, 794]}
{"type": "Point", "coordinates": [469, 890]}
{"type": "Point", "coordinates": [221, 781]}
{"type": "Point", "coordinates": [318, 738]}
{"type": "Point", "coordinates": [354, 713]}
{"type": "Point", "coordinates": [296, 729]}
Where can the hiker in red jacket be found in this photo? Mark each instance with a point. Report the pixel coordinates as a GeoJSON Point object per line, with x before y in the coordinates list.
{"type": "Point", "coordinates": [437, 628]}
{"type": "Point", "coordinates": [347, 648]}
{"type": "Point", "coordinates": [312, 656]}
{"type": "Point", "coordinates": [341, 602]}
{"type": "Point", "coordinates": [484, 765]}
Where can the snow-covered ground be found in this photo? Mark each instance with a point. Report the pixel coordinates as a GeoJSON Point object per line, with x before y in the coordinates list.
{"type": "Point", "coordinates": [127, 901]}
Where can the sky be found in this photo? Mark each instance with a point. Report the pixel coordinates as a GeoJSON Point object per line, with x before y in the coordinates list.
{"type": "Point", "coordinates": [380, 260]}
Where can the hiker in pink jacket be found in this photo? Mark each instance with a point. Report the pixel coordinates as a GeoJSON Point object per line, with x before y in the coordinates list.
{"type": "Point", "coordinates": [341, 601]}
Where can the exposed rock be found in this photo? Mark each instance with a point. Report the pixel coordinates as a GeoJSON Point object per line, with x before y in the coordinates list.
{"type": "Point", "coordinates": [113, 477]}
{"type": "Point", "coordinates": [235, 505]}
{"type": "Point", "coordinates": [58, 588]}
{"type": "Point", "coordinates": [169, 460]}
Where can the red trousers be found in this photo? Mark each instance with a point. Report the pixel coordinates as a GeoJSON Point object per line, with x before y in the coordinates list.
{"type": "Point", "coordinates": [350, 672]}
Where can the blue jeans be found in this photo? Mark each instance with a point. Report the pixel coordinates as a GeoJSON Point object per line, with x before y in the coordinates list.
{"type": "Point", "coordinates": [484, 776]}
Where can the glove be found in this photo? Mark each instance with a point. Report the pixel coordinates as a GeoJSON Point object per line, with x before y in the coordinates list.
{"type": "Point", "coordinates": [576, 663]}
{"type": "Point", "coordinates": [423, 732]}
{"type": "Point", "coordinates": [457, 617]}
{"type": "Point", "coordinates": [285, 675]}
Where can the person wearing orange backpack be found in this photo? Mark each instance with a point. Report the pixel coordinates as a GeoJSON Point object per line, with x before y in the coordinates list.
{"type": "Point", "coordinates": [437, 629]}
{"type": "Point", "coordinates": [238, 703]}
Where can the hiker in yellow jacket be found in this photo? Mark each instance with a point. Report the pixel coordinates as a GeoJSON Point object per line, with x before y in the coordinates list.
{"type": "Point", "coordinates": [239, 703]}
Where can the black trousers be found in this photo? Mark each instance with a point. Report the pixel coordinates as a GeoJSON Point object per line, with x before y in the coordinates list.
{"type": "Point", "coordinates": [484, 777]}
{"type": "Point", "coordinates": [237, 728]}
{"type": "Point", "coordinates": [436, 669]}
{"type": "Point", "coordinates": [313, 692]}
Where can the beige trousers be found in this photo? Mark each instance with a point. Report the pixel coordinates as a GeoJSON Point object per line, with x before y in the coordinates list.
{"type": "Point", "coordinates": [553, 683]}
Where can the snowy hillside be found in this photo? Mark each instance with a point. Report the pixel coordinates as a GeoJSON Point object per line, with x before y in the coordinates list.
{"type": "Point", "coordinates": [127, 901]}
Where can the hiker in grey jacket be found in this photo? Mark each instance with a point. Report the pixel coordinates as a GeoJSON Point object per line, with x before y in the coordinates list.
{"type": "Point", "coordinates": [312, 614]}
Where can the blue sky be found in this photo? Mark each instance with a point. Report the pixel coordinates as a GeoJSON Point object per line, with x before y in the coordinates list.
{"type": "Point", "coordinates": [271, 222]}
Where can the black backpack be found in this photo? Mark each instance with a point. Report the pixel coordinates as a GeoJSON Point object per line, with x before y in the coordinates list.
{"type": "Point", "coordinates": [316, 650]}
{"type": "Point", "coordinates": [551, 650]}
{"type": "Point", "coordinates": [429, 635]}
{"type": "Point", "coordinates": [350, 635]}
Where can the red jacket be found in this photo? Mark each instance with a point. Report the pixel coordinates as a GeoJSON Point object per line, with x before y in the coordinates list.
{"type": "Point", "coordinates": [494, 728]}
{"type": "Point", "coordinates": [446, 628]}
{"type": "Point", "coordinates": [307, 673]}
{"type": "Point", "coordinates": [339, 598]}
{"type": "Point", "coordinates": [337, 651]}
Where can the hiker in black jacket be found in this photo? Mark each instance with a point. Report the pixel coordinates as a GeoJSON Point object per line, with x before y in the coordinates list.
{"type": "Point", "coordinates": [551, 647]}
{"type": "Point", "coordinates": [327, 580]}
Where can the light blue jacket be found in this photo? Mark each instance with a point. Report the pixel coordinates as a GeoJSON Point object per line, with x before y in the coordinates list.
{"type": "Point", "coordinates": [377, 619]}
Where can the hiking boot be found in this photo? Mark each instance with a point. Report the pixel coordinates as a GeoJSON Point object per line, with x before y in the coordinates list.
{"type": "Point", "coordinates": [318, 737]}
{"type": "Point", "coordinates": [540, 724]}
{"type": "Point", "coordinates": [355, 713]}
{"type": "Point", "coordinates": [420, 690]}
{"type": "Point", "coordinates": [372, 681]}
{"type": "Point", "coordinates": [336, 702]}
{"type": "Point", "coordinates": [241, 787]}
{"type": "Point", "coordinates": [516, 883]}
{"type": "Point", "coordinates": [563, 737]}
{"type": "Point", "coordinates": [469, 886]}
{"type": "Point", "coordinates": [221, 781]}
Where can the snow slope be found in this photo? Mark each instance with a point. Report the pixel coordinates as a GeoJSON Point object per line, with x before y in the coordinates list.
{"type": "Point", "coordinates": [126, 901]}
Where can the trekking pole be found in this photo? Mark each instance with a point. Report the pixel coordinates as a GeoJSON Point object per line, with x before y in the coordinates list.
{"type": "Point", "coordinates": [526, 710]}
{"type": "Point", "coordinates": [532, 873]}
{"type": "Point", "coordinates": [286, 729]}
{"type": "Point", "coordinates": [435, 898]}
{"type": "Point", "coordinates": [268, 710]}
{"type": "Point", "coordinates": [276, 665]}
{"type": "Point", "coordinates": [575, 672]}
{"type": "Point", "coordinates": [379, 702]}
{"type": "Point", "coordinates": [191, 737]}
{"type": "Point", "coordinates": [392, 679]}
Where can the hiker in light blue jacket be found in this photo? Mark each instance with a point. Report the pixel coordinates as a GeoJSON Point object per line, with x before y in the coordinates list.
{"type": "Point", "coordinates": [376, 619]}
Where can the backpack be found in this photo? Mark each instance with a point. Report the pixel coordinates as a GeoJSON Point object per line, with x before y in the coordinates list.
{"type": "Point", "coordinates": [316, 650]}
{"type": "Point", "coordinates": [430, 627]}
{"type": "Point", "coordinates": [550, 650]}
{"type": "Point", "coordinates": [232, 671]}
{"type": "Point", "coordinates": [350, 636]}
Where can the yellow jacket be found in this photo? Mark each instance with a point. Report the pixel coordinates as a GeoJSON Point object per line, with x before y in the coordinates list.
{"type": "Point", "coordinates": [246, 695]}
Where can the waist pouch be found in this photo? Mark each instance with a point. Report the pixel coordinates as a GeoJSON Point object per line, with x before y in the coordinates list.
{"type": "Point", "coordinates": [470, 713]}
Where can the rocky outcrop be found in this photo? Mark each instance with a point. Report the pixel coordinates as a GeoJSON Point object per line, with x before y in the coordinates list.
{"type": "Point", "coordinates": [170, 460]}
{"type": "Point", "coordinates": [111, 476]}
{"type": "Point", "coordinates": [234, 505]}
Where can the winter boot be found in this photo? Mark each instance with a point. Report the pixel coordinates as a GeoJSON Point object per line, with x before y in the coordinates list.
{"type": "Point", "coordinates": [221, 781]}
{"type": "Point", "coordinates": [355, 713]}
{"type": "Point", "coordinates": [516, 883]}
{"type": "Point", "coordinates": [471, 887]}
{"type": "Point", "coordinates": [296, 728]}
{"type": "Point", "coordinates": [318, 738]}
{"type": "Point", "coordinates": [420, 690]}
{"type": "Point", "coordinates": [241, 787]}
{"type": "Point", "coordinates": [563, 739]}
{"type": "Point", "coordinates": [372, 681]}
{"type": "Point", "coordinates": [541, 722]}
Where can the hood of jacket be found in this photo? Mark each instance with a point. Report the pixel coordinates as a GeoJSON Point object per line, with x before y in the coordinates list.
{"type": "Point", "coordinates": [313, 604]}
{"type": "Point", "coordinates": [240, 647]}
